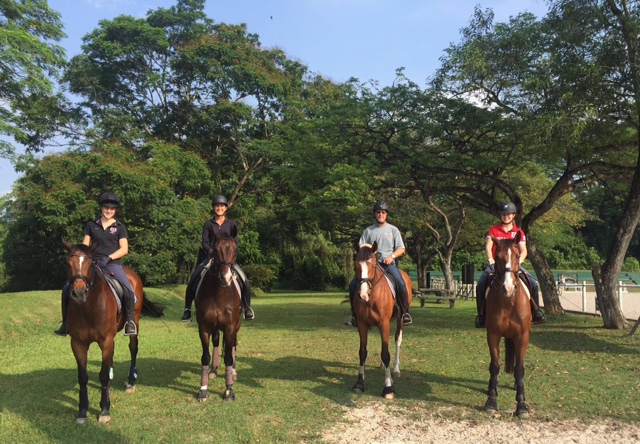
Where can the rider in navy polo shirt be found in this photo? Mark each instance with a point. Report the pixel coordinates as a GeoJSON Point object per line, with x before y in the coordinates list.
{"type": "Point", "coordinates": [113, 244]}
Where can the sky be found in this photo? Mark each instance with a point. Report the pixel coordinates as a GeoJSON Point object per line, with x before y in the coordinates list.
{"type": "Point", "coordinates": [338, 39]}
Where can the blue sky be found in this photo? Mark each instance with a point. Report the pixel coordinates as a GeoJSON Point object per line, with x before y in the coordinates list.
{"type": "Point", "coordinates": [339, 39]}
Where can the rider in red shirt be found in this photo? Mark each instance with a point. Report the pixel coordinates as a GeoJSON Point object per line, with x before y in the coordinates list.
{"type": "Point", "coordinates": [506, 229]}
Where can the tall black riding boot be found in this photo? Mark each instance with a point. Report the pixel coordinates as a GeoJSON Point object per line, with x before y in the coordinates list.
{"type": "Point", "coordinates": [537, 316]}
{"type": "Point", "coordinates": [352, 321]}
{"type": "Point", "coordinates": [245, 292]}
{"type": "Point", "coordinates": [403, 304]}
{"type": "Point", "coordinates": [130, 301]}
{"type": "Point", "coordinates": [62, 331]}
{"type": "Point", "coordinates": [480, 307]}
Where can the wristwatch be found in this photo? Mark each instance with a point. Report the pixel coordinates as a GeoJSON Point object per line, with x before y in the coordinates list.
{"type": "Point", "coordinates": [393, 256]}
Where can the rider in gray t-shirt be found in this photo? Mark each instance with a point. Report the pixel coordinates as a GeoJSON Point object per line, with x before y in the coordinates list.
{"type": "Point", "coordinates": [390, 247]}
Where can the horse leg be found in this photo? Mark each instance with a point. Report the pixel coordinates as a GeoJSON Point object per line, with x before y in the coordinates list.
{"type": "Point", "coordinates": [229, 362]}
{"type": "Point", "coordinates": [106, 374]}
{"type": "Point", "coordinates": [215, 361]}
{"type": "Point", "coordinates": [133, 371]}
{"type": "Point", "coordinates": [363, 331]}
{"type": "Point", "coordinates": [80, 353]}
{"type": "Point", "coordinates": [387, 392]}
{"type": "Point", "coordinates": [491, 406]}
{"type": "Point", "coordinates": [398, 338]}
{"type": "Point", "coordinates": [203, 394]}
{"type": "Point", "coordinates": [522, 411]}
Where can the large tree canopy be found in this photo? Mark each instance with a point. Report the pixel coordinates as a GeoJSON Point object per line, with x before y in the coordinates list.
{"type": "Point", "coordinates": [30, 61]}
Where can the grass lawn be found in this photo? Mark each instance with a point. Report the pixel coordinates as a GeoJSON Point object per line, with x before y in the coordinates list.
{"type": "Point", "coordinates": [296, 366]}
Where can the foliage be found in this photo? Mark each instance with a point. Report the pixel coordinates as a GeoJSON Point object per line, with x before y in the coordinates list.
{"type": "Point", "coordinates": [30, 60]}
{"type": "Point", "coordinates": [163, 199]}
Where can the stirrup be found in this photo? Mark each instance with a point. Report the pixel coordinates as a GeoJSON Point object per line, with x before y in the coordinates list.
{"type": "Point", "coordinates": [248, 314]}
{"type": "Point", "coordinates": [130, 328]}
{"type": "Point", "coordinates": [406, 319]}
{"type": "Point", "coordinates": [62, 331]}
{"type": "Point", "coordinates": [538, 317]}
{"type": "Point", "coordinates": [186, 315]}
{"type": "Point", "coordinates": [351, 322]}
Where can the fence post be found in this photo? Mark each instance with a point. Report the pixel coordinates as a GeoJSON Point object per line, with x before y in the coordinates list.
{"type": "Point", "coordinates": [584, 296]}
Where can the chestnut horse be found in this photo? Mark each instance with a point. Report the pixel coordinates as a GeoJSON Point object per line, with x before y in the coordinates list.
{"type": "Point", "coordinates": [218, 310]}
{"type": "Point", "coordinates": [93, 316]}
{"type": "Point", "coordinates": [508, 316]}
{"type": "Point", "coordinates": [374, 306]}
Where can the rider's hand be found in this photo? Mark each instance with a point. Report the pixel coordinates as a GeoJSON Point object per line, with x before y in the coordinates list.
{"type": "Point", "coordinates": [492, 265]}
{"type": "Point", "coordinates": [104, 261]}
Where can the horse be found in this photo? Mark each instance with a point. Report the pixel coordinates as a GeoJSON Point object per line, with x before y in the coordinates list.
{"type": "Point", "coordinates": [93, 316]}
{"type": "Point", "coordinates": [374, 306]}
{"type": "Point", "coordinates": [218, 310]}
{"type": "Point", "coordinates": [508, 316]}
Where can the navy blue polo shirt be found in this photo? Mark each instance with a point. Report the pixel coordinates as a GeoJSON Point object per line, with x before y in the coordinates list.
{"type": "Point", "coordinates": [108, 240]}
{"type": "Point", "coordinates": [208, 238]}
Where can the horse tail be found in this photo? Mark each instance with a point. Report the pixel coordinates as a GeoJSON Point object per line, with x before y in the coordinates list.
{"type": "Point", "coordinates": [509, 355]}
{"type": "Point", "coordinates": [150, 308]}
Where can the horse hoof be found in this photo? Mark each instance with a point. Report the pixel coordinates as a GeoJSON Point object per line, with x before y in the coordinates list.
{"type": "Point", "coordinates": [522, 415]}
{"type": "Point", "coordinates": [358, 388]}
{"type": "Point", "coordinates": [203, 395]}
{"type": "Point", "coordinates": [229, 395]}
{"type": "Point", "coordinates": [490, 411]}
{"type": "Point", "coordinates": [213, 375]}
{"type": "Point", "coordinates": [388, 393]}
{"type": "Point", "coordinates": [130, 389]}
{"type": "Point", "coordinates": [103, 419]}
{"type": "Point", "coordinates": [81, 421]}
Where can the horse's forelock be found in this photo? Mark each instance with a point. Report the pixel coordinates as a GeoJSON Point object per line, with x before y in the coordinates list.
{"type": "Point", "coordinates": [82, 247]}
{"type": "Point", "coordinates": [364, 253]}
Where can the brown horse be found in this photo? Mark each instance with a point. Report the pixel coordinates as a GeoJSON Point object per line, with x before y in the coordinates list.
{"type": "Point", "coordinates": [218, 310]}
{"type": "Point", "coordinates": [374, 306]}
{"type": "Point", "coordinates": [508, 315]}
{"type": "Point", "coordinates": [93, 316]}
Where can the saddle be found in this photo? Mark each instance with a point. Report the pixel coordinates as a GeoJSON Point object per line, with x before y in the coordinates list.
{"type": "Point", "coordinates": [116, 287]}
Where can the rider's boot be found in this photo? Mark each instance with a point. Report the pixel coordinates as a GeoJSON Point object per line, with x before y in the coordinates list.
{"type": "Point", "coordinates": [62, 331]}
{"type": "Point", "coordinates": [480, 307]}
{"type": "Point", "coordinates": [403, 305]}
{"type": "Point", "coordinates": [351, 322]}
{"type": "Point", "coordinates": [130, 301]}
{"type": "Point", "coordinates": [246, 297]}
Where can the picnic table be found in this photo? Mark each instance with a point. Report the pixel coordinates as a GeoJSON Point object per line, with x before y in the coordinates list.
{"type": "Point", "coordinates": [435, 294]}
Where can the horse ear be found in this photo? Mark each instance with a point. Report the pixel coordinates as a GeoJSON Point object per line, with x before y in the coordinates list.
{"type": "Point", "coordinates": [93, 247]}
{"type": "Point", "coordinates": [356, 246]}
{"type": "Point", "coordinates": [374, 247]}
{"type": "Point", "coordinates": [66, 244]}
{"type": "Point", "coordinates": [234, 231]}
{"type": "Point", "coordinates": [518, 237]}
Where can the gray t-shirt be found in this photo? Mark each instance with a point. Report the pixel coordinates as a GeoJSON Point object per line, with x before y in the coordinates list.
{"type": "Point", "coordinates": [387, 236]}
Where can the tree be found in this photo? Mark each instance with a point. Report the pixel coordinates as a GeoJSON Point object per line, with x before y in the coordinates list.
{"type": "Point", "coordinates": [29, 63]}
{"type": "Point", "coordinates": [164, 199]}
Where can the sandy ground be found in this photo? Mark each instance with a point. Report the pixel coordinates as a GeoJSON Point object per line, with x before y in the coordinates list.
{"type": "Point", "coordinates": [575, 301]}
{"type": "Point", "coordinates": [378, 424]}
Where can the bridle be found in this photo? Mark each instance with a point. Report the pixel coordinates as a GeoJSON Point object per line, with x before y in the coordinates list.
{"type": "Point", "coordinates": [370, 281]}
{"type": "Point", "coordinates": [80, 276]}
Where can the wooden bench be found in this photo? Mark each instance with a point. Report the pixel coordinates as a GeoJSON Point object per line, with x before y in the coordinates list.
{"type": "Point", "coordinates": [435, 294]}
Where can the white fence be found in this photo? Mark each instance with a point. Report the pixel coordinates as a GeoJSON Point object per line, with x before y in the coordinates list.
{"type": "Point", "coordinates": [581, 297]}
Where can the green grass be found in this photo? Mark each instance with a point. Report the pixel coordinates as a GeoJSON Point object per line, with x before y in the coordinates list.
{"type": "Point", "coordinates": [296, 366]}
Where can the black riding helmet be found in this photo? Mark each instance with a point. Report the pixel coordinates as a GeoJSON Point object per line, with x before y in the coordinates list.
{"type": "Point", "coordinates": [220, 199]}
{"type": "Point", "coordinates": [507, 208]}
{"type": "Point", "coordinates": [109, 200]}
{"type": "Point", "coordinates": [381, 205]}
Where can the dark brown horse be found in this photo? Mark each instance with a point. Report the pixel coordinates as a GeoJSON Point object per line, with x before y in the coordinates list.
{"type": "Point", "coordinates": [374, 306]}
{"type": "Point", "coordinates": [93, 316]}
{"type": "Point", "coordinates": [508, 316]}
{"type": "Point", "coordinates": [218, 310]}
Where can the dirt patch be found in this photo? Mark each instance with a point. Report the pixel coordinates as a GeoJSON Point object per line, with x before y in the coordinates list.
{"type": "Point", "coordinates": [379, 423]}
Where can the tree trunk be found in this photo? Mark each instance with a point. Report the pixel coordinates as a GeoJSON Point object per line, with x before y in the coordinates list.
{"type": "Point", "coordinates": [445, 265]}
{"type": "Point", "coordinates": [605, 281]}
{"type": "Point", "coordinates": [548, 287]}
